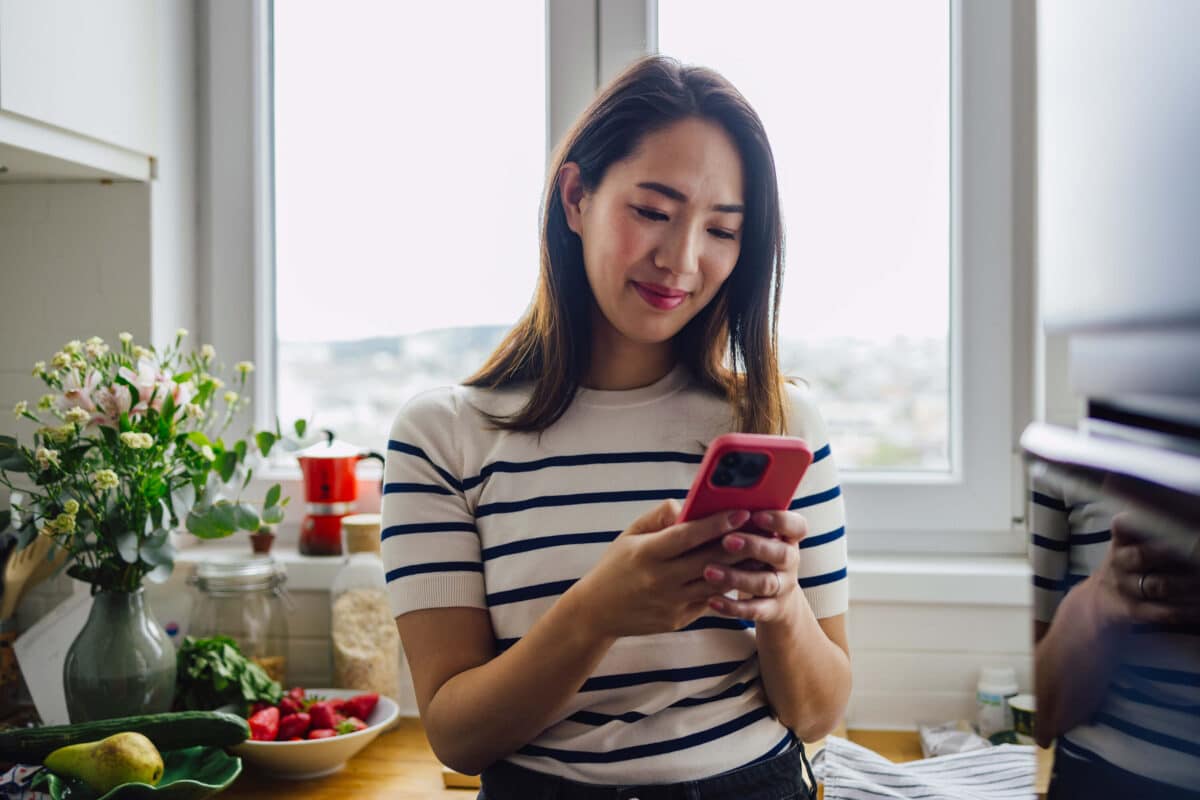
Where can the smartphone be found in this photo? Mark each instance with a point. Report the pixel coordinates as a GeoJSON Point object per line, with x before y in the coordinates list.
{"type": "Point", "coordinates": [750, 471]}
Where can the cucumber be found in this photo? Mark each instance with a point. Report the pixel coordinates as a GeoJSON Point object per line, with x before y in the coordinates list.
{"type": "Point", "coordinates": [168, 731]}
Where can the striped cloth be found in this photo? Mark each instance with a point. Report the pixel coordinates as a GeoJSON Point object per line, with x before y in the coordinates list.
{"type": "Point", "coordinates": [507, 522]}
{"type": "Point", "coordinates": [852, 772]}
{"type": "Point", "coordinates": [1149, 723]}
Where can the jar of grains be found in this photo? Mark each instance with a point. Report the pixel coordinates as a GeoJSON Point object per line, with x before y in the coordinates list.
{"type": "Point", "coordinates": [245, 600]}
{"type": "Point", "coordinates": [366, 646]}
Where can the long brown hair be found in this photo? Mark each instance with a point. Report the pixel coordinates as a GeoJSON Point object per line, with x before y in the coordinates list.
{"type": "Point", "coordinates": [730, 346]}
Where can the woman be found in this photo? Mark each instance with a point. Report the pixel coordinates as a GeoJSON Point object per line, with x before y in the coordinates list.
{"type": "Point", "coordinates": [1117, 656]}
{"type": "Point", "coordinates": [566, 637]}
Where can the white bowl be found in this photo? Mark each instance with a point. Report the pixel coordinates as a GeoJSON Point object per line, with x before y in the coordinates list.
{"type": "Point", "coordinates": [313, 758]}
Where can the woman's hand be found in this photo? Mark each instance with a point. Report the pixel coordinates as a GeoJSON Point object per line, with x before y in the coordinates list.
{"type": "Point", "coordinates": [767, 570]}
{"type": "Point", "coordinates": [648, 580]}
{"type": "Point", "coordinates": [1140, 580]}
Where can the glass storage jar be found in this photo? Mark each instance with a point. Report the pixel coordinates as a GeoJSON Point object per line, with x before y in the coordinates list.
{"type": "Point", "coordinates": [246, 601]}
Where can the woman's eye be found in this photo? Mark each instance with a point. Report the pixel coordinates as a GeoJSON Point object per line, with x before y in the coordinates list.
{"type": "Point", "coordinates": [657, 216]}
{"type": "Point", "coordinates": [720, 234]}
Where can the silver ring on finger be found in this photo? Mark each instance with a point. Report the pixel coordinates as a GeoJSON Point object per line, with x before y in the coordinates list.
{"type": "Point", "coordinates": [1142, 586]}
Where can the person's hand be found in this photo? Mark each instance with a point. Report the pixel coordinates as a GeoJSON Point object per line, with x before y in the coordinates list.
{"type": "Point", "coordinates": [1141, 580]}
{"type": "Point", "coordinates": [649, 578]}
{"type": "Point", "coordinates": [767, 576]}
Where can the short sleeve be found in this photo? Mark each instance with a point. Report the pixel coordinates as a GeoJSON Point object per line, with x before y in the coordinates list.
{"type": "Point", "coordinates": [430, 545]}
{"type": "Point", "coordinates": [1049, 547]}
{"type": "Point", "coordinates": [818, 498]}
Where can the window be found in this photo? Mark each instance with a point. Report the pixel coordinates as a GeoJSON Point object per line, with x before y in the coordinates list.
{"type": "Point", "coordinates": [856, 99]}
{"type": "Point", "coordinates": [409, 148]}
{"type": "Point", "coordinates": [379, 101]}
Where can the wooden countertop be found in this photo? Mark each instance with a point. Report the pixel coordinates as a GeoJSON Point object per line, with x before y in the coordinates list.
{"type": "Point", "coordinates": [400, 765]}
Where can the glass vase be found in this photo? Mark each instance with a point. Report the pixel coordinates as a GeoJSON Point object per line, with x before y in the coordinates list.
{"type": "Point", "coordinates": [121, 663]}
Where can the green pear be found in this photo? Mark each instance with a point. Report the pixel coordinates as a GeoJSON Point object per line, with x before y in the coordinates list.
{"type": "Point", "coordinates": [121, 758]}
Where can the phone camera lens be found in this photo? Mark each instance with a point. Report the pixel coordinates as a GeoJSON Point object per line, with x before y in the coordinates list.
{"type": "Point", "coordinates": [730, 460]}
{"type": "Point", "coordinates": [722, 477]}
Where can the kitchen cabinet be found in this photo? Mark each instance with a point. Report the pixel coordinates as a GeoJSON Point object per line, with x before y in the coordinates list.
{"type": "Point", "coordinates": [78, 89]}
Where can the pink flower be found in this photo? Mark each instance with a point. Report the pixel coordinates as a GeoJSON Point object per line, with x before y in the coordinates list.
{"type": "Point", "coordinates": [76, 394]}
{"type": "Point", "coordinates": [111, 403]}
{"type": "Point", "coordinates": [145, 380]}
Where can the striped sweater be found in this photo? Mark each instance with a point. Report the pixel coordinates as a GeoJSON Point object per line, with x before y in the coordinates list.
{"type": "Point", "coordinates": [1149, 723]}
{"type": "Point", "coordinates": [507, 522]}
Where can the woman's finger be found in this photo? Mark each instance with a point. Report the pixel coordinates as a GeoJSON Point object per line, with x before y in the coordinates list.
{"type": "Point", "coordinates": [776, 553]}
{"type": "Point", "coordinates": [758, 609]}
{"type": "Point", "coordinates": [757, 583]}
{"type": "Point", "coordinates": [1161, 587]}
{"type": "Point", "coordinates": [788, 525]}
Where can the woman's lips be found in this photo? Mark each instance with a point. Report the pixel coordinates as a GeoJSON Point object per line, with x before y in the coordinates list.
{"type": "Point", "coordinates": [658, 298]}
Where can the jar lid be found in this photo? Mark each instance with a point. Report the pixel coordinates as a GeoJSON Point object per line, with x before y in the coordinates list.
{"type": "Point", "coordinates": [241, 575]}
{"type": "Point", "coordinates": [362, 532]}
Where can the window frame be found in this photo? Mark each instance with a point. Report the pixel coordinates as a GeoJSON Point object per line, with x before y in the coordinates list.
{"type": "Point", "coordinates": [979, 508]}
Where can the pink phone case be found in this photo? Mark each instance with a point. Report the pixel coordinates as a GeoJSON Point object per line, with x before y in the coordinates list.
{"type": "Point", "coordinates": [786, 460]}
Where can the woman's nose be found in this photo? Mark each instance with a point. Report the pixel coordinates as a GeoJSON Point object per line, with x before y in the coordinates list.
{"type": "Point", "coordinates": [680, 253]}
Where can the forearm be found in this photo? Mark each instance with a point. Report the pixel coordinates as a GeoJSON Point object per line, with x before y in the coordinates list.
{"type": "Point", "coordinates": [487, 713]}
{"type": "Point", "coordinates": [805, 674]}
{"type": "Point", "coordinates": [1074, 663]}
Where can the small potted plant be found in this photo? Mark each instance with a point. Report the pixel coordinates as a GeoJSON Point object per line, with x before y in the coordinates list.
{"type": "Point", "coordinates": [131, 444]}
{"type": "Point", "coordinates": [262, 539]}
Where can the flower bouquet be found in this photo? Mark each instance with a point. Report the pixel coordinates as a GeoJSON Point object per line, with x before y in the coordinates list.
{"type": "Point", "coordinates": [130, 445]}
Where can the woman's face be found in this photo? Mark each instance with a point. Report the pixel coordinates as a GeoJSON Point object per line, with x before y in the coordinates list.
{"type": "Point", "coordinates": [662, 231]}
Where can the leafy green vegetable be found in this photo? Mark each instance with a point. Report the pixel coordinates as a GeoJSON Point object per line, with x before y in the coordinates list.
{"type": "Point", "coordinates": [212, 673]}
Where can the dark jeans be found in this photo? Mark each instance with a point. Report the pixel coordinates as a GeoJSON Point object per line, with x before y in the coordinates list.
{"type": "Point", "coordinates": [1094, 779]}
{"type": "Point", "coordinates": [778, 778]}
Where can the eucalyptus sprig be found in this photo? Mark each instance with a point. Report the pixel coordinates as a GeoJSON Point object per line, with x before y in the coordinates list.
{"type": "Point", "coordinates": [130, 441]}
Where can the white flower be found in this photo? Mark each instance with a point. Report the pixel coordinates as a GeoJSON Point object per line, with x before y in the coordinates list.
{"type": "Point", "coordinates": [46, 403]}
{"type": "Point", "coordinates": [71, 507]}
{"type": "Point", "coordinates": [193, 411]}
{"type": "Point", "coordinates": [140, 352]}
{"type": "Point", "coordinates": [245, 367]}
{"type": "Point", "coordinates": [74, 347]}
{"type": "Point", "coordinates": [45, 457]}
{"type": "Point", "coordinates": [125, 338]}
{"type": "Point", "coordinates": [39, 369]}
{"type": "Point", "coordinates": [231, 397]}
{"type": "Point", "coordinates": [20, 408]}
{"type": "Point", "coordinates": [64, 432]}
{"type": "Point", "coordinates": [217, 382]}
{"type": "Point", "coordinates": [137, 441]}
{"type": "Point", "coordinates": [105, 479]}
{"type": "Point", "coordinates": [95, 347]}
{"type": "Point", "coordinates": [208, 353]}
{"type": "Point", "coordinates": [61, 360]}
{"type": "Point", "coordinates": [208, 453]}
{"type": "Point", "coordinates": [78, 415]}
{"type": "Point", "coordinates": [182, 332]}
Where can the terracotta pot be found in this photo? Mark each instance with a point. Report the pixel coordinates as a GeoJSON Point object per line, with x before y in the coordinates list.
{"type": "Point", "coordinates": [261, 541]}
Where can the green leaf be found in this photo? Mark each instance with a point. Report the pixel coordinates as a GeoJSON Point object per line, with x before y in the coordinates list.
{"type": "Point", "coordinates": [300, 426]}
{"type": "Point", "coordinates": [133, 392]}
{"type": "Point", "coordinates": [8, 442]}
{"type": "Point", "coordinates": [265, 441]}
{"type": "Point", "coordinates": [240, 449]}
{"type": "Point", "coordinates": [198, 438]}
{"type": "Point", "coordinates": [110, 437]}
{"type": "Point", "coordinates": [225, 516]}
{"type": "Point", "coordinates": [226, 464]}
{"type": "Point", "coordinates": [246, 480]}
{"type": "Point", "coordinates": [124, 424]}
{"type": "Point", "coordinates": [168, 413]}
{"type": "Point", "coordinates": [183, 377]}
{"type": "Point", "coordinates": [273, 515]}
{"type": "Point", "coordinates": [202, 525]}
{"type": "Point", "coordinates": [246, 517]}
{"type": "Point", "coordinates": [5, 520]}
{"type": "Point", "coordinates": [127, 546]}
{"type": "Point", "coordinates": [273, 496]}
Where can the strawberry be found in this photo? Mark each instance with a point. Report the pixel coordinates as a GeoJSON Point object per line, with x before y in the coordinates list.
{"type": "Point", "coordinates": [322, 733]}
{"type": "Point", "coordinates": [360, 705]}
{"type": "Point", "coordinates": [296, 693]}
{"type": "Point", "coordinates": [264, 724]}
{"type": "Point", "coordinates": [323, 715]}
{"type": "Point", "coordinates": [351, 725]}
{"type": "Point", "coordinates": [294, 725]}
{"type": "Point", "coordinates": [289, 705]}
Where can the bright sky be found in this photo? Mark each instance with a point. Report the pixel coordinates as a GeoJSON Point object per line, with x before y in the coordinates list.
{"type": "Point", "coordinates": [410, 151]}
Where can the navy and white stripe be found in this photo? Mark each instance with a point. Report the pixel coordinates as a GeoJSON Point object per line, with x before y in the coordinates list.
{"type": "Point", "coordinates": [1149, 722]}
{"type": "Point", "coordinates": [509, 522]}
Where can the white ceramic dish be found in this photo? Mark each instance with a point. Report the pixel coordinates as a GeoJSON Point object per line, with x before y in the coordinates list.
{"type": "Point", "coordinates": [314, 758]}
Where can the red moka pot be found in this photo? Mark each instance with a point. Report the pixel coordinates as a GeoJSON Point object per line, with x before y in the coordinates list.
{"type": "Point", "coordinates": [330, 491]}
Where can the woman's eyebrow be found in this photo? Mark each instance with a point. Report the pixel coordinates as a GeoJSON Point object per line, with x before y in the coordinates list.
{"type": "Point", "coordinates": [678, 196]}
